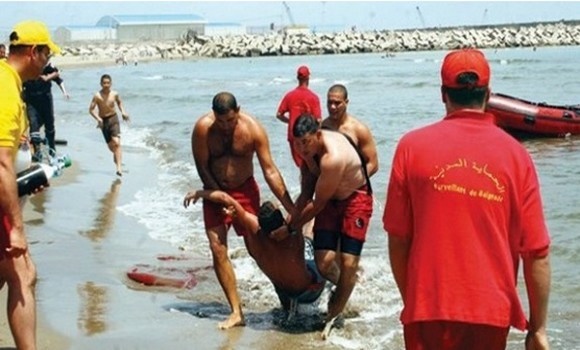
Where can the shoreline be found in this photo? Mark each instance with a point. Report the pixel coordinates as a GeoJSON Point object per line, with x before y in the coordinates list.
{"type": "Point", "coordinates": [389, 42]}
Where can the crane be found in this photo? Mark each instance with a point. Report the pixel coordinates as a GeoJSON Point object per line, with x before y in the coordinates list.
{"type": "Point", "coordinates": [420, 16]}
{"type": "Point", "coordinates": [289, 13]}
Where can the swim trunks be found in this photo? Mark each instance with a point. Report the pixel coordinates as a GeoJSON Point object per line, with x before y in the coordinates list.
{"type": "Point", "coordinates": [111, 127]}
{"type": "Point", "coordinates": [349, 216]}
{"type": "Point", "coordinates": [4, 234]}
{"type": "Point", "coordinates": [454, 335]}
{"type": "Point", "coordinates": [316, 287]}
{"type": "Point", "coordinates": [248, 195]}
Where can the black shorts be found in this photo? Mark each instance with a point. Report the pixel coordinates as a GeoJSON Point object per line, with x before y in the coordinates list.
{"type": "Point", "coordinates": [329, 240]}
{"type": "Point", "coordinates": [111, 127]}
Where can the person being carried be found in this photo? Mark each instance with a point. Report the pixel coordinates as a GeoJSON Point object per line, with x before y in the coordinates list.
{"type": "Point", "coordinates": [340, 120]}
{"type": "Point", "coordinates": [463, 207]}
{"type": "Point", "coordinates": [107, 119]}
{"type": "Point", "coordinates": [296, 102]}
{"type": "Point", "coordinates": [40, 106]}
{"type": "Point", "coordinates": [289, 264]}
{"type": "Point", "coordinates": [224, 142]}
{"type": "Point", "coordinates": [335, 191]}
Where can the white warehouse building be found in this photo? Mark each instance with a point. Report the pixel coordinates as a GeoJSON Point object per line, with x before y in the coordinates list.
{"type": "Point", "coordinates": [137, 28]}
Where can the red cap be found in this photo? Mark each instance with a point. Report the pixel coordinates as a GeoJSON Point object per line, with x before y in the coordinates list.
{"type": "Point", "coordinates": [303, 72]}
{"type": "Point", "coordinates": [464, 61]}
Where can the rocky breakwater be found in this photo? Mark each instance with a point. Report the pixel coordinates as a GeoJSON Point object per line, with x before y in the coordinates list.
{"type": "Point", "coordinates": [386, 41]}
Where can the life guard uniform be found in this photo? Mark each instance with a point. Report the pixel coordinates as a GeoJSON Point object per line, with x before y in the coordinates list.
{"type": "Point", "coordinates": [295, 103]}
{"type": "Point", "coordinates": [248, 195]}
{"type": "Point", "coordinates": [479, 211]}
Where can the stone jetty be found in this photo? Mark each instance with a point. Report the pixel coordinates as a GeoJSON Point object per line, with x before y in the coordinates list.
{"type": "Point", "coordinates": [389, 42]}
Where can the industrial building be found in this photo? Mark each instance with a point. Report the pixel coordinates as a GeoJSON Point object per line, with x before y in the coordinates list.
{"type": "Point", "coordinates": [68, 34]}
{"type": "Point", "coordinates": [132, 28]}
{"type": "Point", "coordinates": [138, 28]}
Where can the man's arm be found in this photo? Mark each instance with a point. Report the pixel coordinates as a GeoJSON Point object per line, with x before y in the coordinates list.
{"type": "Point", "coordinates": [92, 111]}
{"type": "Point", "coordinates": [9, 202]}
{"type": "Point", "coordinates": [282, 117]}
{"type": "Point", "coordinates": [282, 110]}
{"type": "Point", "coordinates": [307, 187]}
{"type": "Point", "coordinates": [326, 185]}
{"type": "Point", "coordinates": [399, 257]}
{"type": "Point", "coordinates": [50, 76]}
{"type": "Point", "coordinates": [200, 151]}
{"type": "Point", "coordinates": [63, 89]}
{"type": "Point", "coordinates": [271, 173]}
{"type": "Point", "coordinates": [538, 277]}
{"type": "Point", "coordinates": [234, 208]}
{"type": "Point", "coordinates": [316, 111]}
{"type": "Point", "coordinates": [121, 107]}
{"type": "Point", "coordinates": [368, 148]}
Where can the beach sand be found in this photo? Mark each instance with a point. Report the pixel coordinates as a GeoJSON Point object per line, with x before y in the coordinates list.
{"type": "Point", "coordinates": [48, 339]}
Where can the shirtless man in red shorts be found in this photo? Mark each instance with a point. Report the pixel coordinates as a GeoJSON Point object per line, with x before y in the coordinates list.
{"type": "Point", "coordinates": [336, 193]}
{"type": "Point", "coordinates": [223, 144]}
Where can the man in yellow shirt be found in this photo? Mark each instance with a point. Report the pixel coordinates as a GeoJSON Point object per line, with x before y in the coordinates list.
{"type": "Point", "coordinates": [30, 50]}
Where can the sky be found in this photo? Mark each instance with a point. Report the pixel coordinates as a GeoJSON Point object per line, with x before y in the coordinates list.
{"type": "Point", "coordinates": [365, 15]}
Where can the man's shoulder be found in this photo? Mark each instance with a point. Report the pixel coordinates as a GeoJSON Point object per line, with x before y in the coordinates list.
{"type": "Point", "coordinates": [48, 69]}
{"type": "Point", "coordinates": [358, 125]}
{"type": "Point", "coordinates": [248, 119]}
{"type": "Point", "coordinates": [205, 119]}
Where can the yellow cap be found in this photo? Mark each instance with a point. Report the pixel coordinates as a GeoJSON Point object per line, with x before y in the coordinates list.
{"type": "Point", "coordinates": [33, 33]}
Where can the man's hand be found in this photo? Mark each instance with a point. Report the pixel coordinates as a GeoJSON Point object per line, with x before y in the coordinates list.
{"type": "Point", "coordinates": [230, 211]}
{"type": "Point", "coordinates": [191, 198]}
{"type": "Point", "coordinates": [18, 244]}
{"type": "Point", "coordinates": [126, 117]}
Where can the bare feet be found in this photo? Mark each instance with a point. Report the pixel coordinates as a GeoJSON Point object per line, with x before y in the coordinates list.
{"type": "Point", "coordinates": [327, 328]}
{"type": "Point", "coordinates": [235, 320]}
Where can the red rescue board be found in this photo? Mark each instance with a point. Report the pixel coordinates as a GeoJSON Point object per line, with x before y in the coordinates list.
{"type": "Point", "coordinates": [175, 277]}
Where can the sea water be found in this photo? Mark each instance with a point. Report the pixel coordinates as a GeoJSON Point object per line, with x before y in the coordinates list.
{"type": "Point", "coordinates": [391, 95]}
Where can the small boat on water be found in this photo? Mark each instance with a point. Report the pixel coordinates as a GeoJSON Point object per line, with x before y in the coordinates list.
{"type": "Point", "coordinates": [529, 119]}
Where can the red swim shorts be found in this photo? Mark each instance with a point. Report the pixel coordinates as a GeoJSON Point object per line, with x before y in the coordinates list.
{"type": "Point", "coordinates": [4, 234]}
{"type": "Point", "coordinates": [448, 335]}
{"type": "Point", "coordinates": [248, 194]}
{"type": "Point", "coordinates": [350, 216]}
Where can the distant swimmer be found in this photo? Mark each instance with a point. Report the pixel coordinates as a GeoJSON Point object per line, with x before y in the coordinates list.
{"type": "Point", "coordinates": [107, 119]}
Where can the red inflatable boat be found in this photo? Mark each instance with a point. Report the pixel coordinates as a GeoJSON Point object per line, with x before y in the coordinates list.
{"type": "Point", "coordinates": [534, 119]}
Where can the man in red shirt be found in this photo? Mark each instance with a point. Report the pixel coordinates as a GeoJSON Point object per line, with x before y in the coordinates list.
{"type": "Point", "coordinates": [296, 102]}
{"type": "Point", "coordinates": [463, 208]}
